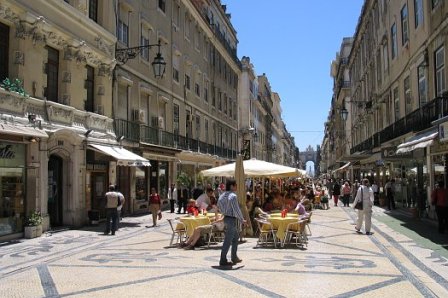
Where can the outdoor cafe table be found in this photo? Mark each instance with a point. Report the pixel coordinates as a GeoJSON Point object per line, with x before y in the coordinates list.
{"type": "Point", "coordinates": [281, 223]}
{"type": "Point", "coordinates": [192, 222]}
{"type": "Point", "coordinates": [287, 215]}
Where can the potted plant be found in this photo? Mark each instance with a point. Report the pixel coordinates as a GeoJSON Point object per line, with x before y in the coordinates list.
{"type": "Point", "coordinates": [33, 227]}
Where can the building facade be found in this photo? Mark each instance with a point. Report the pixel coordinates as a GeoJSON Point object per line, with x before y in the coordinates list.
{"type": "Point", "coordinates": [398, 97]}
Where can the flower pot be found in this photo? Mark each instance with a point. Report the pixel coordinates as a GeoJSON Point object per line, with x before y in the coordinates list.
{"type": "Point", "coordinates": [33, 231]}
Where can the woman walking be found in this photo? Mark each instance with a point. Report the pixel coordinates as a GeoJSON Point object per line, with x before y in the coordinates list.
{"type": "Point", "coordinates": [346, 191]}
{"type": "Point", "coordinates": [154, 205]}
{"type": "Point", "coordinates": [336, 192]}
{"type": "Point", "coordinates": [364, 195]}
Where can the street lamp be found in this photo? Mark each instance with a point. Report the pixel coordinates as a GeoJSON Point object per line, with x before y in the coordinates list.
{"type": "Point", "coordinates": [158, 65]}
{"type": "Point", "coordinates": [344, 113]}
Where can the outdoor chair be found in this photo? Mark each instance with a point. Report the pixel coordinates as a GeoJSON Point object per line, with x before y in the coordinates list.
{"type": "Point", "coordinates": [266, 232]}
{"type": "Point", "coordinates": [179, 229]}
{"type": "Point", "coordinates": [307, 224]}
{"type": "Point", "coordinates": [296, 231]}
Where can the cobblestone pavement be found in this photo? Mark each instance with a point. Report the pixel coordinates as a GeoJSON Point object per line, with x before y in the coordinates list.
{"type": "Point", "coordinates": [137, 262]}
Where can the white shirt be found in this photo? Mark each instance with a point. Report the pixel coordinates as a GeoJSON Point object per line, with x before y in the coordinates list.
{"type": "Point", "coordinates": [203, 201]}
{"type": "Point", "coordinates": [121, 198]}
{"type": "Point", "coordinates": [174, 194]}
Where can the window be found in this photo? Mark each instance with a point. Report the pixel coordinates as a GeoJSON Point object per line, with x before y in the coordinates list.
{"type": "Point", "coordinates": [230, 108]}
{"type": "Point", "coordinates": [123, 32]}
{"type": "Point", "coordinates": [198, 127]}
{"type": "Point", "coordinates": [378, 69]}
{"type": "Point", "coordinates": [93, 10]}
{"type": "Point", "coordinates": [206, 130]}
{"type": "Point", "coordinates": [176, 14]}
{"type": "Point", "coordinates": [407, 95]}
{"type": "Point", "coordinates": [418, 12]}
{"type": "Point", "coordinates": [404, 25]}
{"type": "Point", "coordinates": [206, 91]}
{"type": "Point", "coordinates": [440, 71]}
{"type": "Point", "coordinates": [422, 89]}
{"type": "Point", "coordinates": [187, 82]}
{"type": "Point", "coordinates": [396, 104]}
{"type": "Point", "coordinates": [187, 27]}
{"type": "Point", "coordinates": [51, 91]}
{"type": "Point", "coordinates": [4, 51]}
{"type": "Point", "coordinates": [144, 41]}
{"type": "Point", "coordinates": [434, 3]}
{"type": "Point", "coordinates": [176, 63]}
{"type": "Point", "coordinates": [90, 87]}
{"type": "Point", "coordinates": [225, 104]}
{"type": "Point", "coordinates": [393, 37]}
{"type": "Point", "coordinates": [197, 89]}
{"type": "Point", "coordinates": [175, 119]}
{"type": "Point", "coordinates": [219, 100]}
{"type": "Point", "coordinates": [385, 59]}
{"type": "Point", "coordinates": [213, 96]}
{"type": "Point", "coordinates": [162, 5]}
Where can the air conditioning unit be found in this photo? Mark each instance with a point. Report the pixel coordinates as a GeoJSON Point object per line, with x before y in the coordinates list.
{"type": "Point", "coordinates": [100, 109]}
{"type": "Point", "coordinates": [161, 123]}
{"type": "Point", "coordinates": [138, 115]}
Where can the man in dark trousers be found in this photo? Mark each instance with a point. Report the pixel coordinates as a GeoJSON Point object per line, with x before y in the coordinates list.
{"type": "Point", "coordinates": [182, 198]}
{"type": "Point", "coordinates": [112, 201]}
{"type": "Point", "coordinates": [172, 196]}
{"type": "Point", "coordinates": [390, 193]}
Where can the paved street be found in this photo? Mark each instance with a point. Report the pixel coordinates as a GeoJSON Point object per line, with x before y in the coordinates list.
{"type": "Point", "coordinates": [137, 262]}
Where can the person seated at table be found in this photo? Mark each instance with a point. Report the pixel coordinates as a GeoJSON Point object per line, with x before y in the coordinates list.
{"type": "Point", "coordinates": [204, 200]}
{"type": "Point", "coordinates": [200, 231]}
{"type": "Point", "coordinates": [191, 206]}
{"type": "Point", "coordinates": [290, 203]}
{"type": "Point", "coordinates": [268, 206]}
{"type": "Point", "coordinates": [277, 202]}
{"type": "Point", "coordinates": [302, 208]}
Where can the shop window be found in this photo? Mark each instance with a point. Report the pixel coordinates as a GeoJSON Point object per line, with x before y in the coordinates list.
{"type": "Point", "coordinates": [4, 50]}
{"type": "Point", "coordinates": [141, 190]}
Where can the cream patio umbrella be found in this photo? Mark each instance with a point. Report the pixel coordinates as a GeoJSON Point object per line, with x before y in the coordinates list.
{"type": "Point", "coordinates": [254, 168]}
{"type": "Point", "coordinates": [241, 192]}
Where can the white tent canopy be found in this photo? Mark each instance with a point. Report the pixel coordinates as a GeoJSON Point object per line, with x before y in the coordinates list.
{"type": "Point", "coordinates": [254, 168]}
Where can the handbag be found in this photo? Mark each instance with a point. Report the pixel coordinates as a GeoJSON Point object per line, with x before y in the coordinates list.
{"type": "Point", "coordinates": [359, 204]}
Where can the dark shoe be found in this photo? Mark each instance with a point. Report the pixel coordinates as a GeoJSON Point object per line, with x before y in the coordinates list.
{"type": "Point", "coordinates": [113, 233]}
{"type": "Point", "coordinates": [236, 261]}
{"type": "Point", "coordinates": [226, 263]}
{"type": "Point", "coordinates": [189, 247]}
{"type": "Point", "coordinates": [369, 233]}
{"type": "Point", "coordinates": [183, 244]}
{"type": "Point", "coordinates": [358, 230]}
{"type": "Point", "coordinates": [106, 233]}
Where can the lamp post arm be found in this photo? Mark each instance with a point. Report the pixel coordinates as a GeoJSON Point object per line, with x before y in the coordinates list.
{"type": "Point", "coordinates": [123, 55]}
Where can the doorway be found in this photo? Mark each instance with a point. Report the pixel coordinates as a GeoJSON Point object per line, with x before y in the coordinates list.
{"type": "Point", "coordinates": [55, 191]}
{"type": "Point", "coordinates": [99, 189]}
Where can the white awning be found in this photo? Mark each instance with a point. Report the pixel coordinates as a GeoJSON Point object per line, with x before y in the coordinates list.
{"type": "Point", "coordinates": [124, 157]}
{"type": "Point", "coordinates": [343, 167]}
{"type": "Point", "coordinates": [418, 141]}
{"type": "Point", "coordinates": [22, 130]}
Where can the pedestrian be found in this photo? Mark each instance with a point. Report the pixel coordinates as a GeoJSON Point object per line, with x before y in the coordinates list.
{"type": "Point", "coordinates": [336, 192]}
{"type": "Point", "coordinates": [172, 196]}
{"type": "Point", "coordinates": [390, 193]}
{"type": "Point", "coordinates": [120, 207]}
{"type": "Point", "coordinates": [229, 207]}
{"type": "Point", "coordinates": [204, 201]}
{"type": "Point", "coordinates": [376, 193]}
{"type": "Point", "coordinates": [364, 195]}
{"type": "Point", "coordinates": [346, 191]}
{"type": "Point", "coordinates": [154, 206]}
{"type": "Point", "coordinates": [112, 200]}
{"type": "Point", "coordinates": [182, 199]}
{"type": "Point", "coordinates": [440, 200]}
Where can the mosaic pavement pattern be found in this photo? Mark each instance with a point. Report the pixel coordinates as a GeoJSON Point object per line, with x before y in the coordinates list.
{"type": "Point", "coordinates": [137, 262]}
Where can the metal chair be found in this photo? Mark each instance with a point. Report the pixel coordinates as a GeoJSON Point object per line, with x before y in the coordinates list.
{"type": "Point", "coordinates": [296, 230]}
{"type": "Point", "coordinates": [307, 224]}
{"type": "Point", "coordinates": [266, 231]}
{"type": "Point", "coordinates": [178, 228]}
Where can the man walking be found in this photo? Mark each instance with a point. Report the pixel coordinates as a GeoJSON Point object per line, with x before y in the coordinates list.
{"type": "Point", "coordinates": [229, 207]}
{"type": "Point", "coordinates": [112, 201]}
{"type": "Point", "coordinates": [390, 193]}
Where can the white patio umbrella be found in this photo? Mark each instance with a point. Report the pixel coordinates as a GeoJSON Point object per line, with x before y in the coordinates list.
{"type": "Point", "coordinates": [254, 168]}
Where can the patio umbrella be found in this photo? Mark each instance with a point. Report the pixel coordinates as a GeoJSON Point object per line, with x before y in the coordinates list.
{"type": "Point", "coordinates": [241, 191]}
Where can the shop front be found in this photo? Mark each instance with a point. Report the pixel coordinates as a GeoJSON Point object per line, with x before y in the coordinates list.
{"type": "Point", "coordinates": [12, 188]}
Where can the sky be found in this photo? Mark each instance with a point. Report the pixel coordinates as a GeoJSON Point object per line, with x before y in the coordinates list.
{"type": "Point", "coordinates": [294, 42]}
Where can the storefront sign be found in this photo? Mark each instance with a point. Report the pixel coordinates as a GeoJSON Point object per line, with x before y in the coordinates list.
{"type": "Point", "coordinates": [96, 167]}
{"type": "Point", "coordinates": [12, 155]}
{"type": "Point", "coordinates": [390, 153]}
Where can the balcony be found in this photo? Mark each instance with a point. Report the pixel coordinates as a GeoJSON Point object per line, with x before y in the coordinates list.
{"type": "Point", "coordinates": [415, 121]}
{"type": "Point", "coordinates": [136, 132]}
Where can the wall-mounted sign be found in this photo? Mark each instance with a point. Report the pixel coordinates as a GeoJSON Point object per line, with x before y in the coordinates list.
{"type": "Point", "coordinates": [12, 155]}
{"type": "Point", "coordinates": [390, 153]}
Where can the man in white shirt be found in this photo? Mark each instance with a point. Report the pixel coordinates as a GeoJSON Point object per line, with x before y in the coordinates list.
{"type": "Point", "coordinates": [203, 201]}
{"type": "Point", "coordinates": [172, 196]}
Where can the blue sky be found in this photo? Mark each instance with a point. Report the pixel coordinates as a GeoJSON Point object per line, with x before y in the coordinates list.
{"type": "Point", "coordinates": [294, 42]}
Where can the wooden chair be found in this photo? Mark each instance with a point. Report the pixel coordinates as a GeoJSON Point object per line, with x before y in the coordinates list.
{"type": "Point", "coordinates": [266, 232]}
{"type": "Point", "coordinates": [179, 229]}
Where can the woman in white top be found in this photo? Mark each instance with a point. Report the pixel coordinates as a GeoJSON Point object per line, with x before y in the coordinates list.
{"type": "Point", "coordinates": [364, 195]}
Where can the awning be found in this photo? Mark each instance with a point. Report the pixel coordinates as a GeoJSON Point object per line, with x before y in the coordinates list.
{"type": "Point", "coordinates": [22, 130]}
{"type": "Point", "coordinates": [422, 140]}
{"type": "Point", "coordinates": [124, 157]}
{"type": "Point", "coordinates": [371, 159]}
{"type": "Point", "coordinates": [343, 167]}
